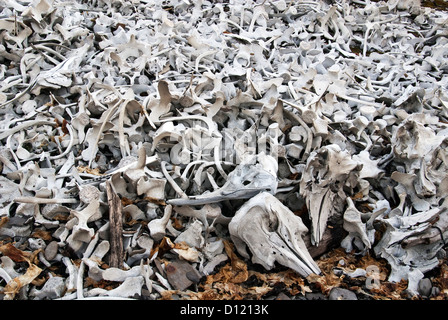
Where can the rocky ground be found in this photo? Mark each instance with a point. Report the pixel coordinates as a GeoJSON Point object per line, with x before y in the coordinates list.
{"type": "Point", "coordinates": [344, 277]}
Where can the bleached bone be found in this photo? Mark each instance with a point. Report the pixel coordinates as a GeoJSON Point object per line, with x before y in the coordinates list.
{"type": "Point", "coordinates": [168, 131]}
{"type": "Point", "coordinates": [211, 212]}
{"type": "Point", "coordinates": [356, 228]}
{"type": "Point", "coordinates": [119, 275]}
{"type": "Point", "coordinates": [132, 168]}
{"type": "Point", "coordinates": [157, 227]}
{"type": "Point", "coordinates": [81, 231]}
{"type": "Point", "coordinates": [145, 243]}
{"type": "Point", "coordinates": [129, 288]}
{"type": "Point", "coordinates": [151, 187]}
{"type": "Point", "coordinates": [406, 185]}
{"type": "Point", "coordinates": [162, 105]}
{"type": "Point", "coordinates": [245, 181]}
{"type": "Point", "coordinates": [192, 236]}
{"type": "Point", "coordinates": [88, 193]}
{"type": "Point", "coordinates": [424, 185]}
{"type": "Point", "coordinates": [417, 256]}
{"type": "Point", "coordinates": [370, 167]}
{"type": "Point", "coordinates": [272, 233]}
{"type": "Point", "coordinates": [53, 288]}
{"type": "Point", "coordinates": [44, 200]}
{"type": "Point", "coordinates": [73, 274]}
{"type": "Point", "coordinates": [229, 65]}
{"type": "Point", "coordinates": [327, 172]}
{"type": "Point", "coordinates": [413, 141]}
{"type": "Point", "coordinates": [213, 253]}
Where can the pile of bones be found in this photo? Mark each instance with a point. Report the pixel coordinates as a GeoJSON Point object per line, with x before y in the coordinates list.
{"type": "Point", "coordinates": [216, 121]}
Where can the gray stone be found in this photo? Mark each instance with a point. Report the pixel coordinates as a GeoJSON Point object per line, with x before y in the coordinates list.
{"type": "Point", "coordinates": [425, 287]}
{"type": "Point", "coordinates": [315, 296]}
{"type": "Point", "coordinates": [51, 250]}
{"type": "Point", "coordinates": [342, 294]}
{"type": "Point", "coordinates": [441, 254]}
{"type": "Point", "coordinates": [435, 291]}
{"type": "Point", "coordinates": [282, 296]}
{"type": "Point", "coordinates": [180, 274]}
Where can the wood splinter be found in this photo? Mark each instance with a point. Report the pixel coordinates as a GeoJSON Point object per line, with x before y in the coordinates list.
{"type": "Point", "coordinates": [116, 227]}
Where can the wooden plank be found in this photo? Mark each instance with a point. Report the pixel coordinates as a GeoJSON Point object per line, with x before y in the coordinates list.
{"type": "Point", "coordinates": [115, 227]}
{"type": "Point", "coordinates": [332, 237]}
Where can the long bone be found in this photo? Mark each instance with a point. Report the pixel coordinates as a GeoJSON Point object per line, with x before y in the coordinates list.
{"type": "Point", "coordinates": [245, 181]}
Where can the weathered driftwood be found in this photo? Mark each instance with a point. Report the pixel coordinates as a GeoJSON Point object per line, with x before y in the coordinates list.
{"type": "Point", "coordinates": [115, 227]}
{"type": "Point", "coordinates": [331, 239]}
